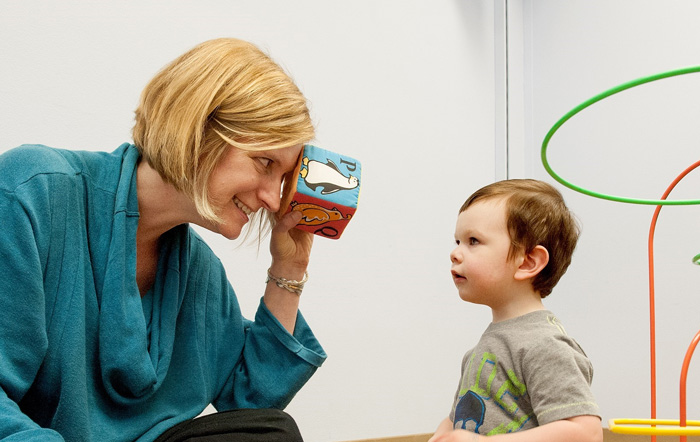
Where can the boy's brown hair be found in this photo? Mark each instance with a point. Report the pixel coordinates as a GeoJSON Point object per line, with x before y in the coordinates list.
{"type": "Point", "coordinates": [535, 215]}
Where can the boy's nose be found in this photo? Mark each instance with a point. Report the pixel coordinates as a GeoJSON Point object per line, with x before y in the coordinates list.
{"type": "Point", "coordinates": [454, 256]}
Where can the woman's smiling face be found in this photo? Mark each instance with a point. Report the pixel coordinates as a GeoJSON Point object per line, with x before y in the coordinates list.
{"type": "Point", "coordinates": [244, 182]}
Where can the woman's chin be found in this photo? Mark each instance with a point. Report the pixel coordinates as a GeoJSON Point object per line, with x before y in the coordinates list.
{"type": "Point", "coordinates": [231, 237]}
{"type": "Point", "coordinates": [230, 231]}
{"type": "Point", "coordinates": [227, 230]}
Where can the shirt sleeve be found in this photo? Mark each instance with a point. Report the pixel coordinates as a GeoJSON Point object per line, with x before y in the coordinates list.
{"type": "Point", "coordinates": [23, 316]}
{"type": "Point", "coordinates": [274, 364]}
{"type": "Point", "coordinates": [558, 378]}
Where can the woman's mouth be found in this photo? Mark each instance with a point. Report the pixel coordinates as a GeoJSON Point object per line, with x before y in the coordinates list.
{"type": "Point", "coordinates": [242, 206]}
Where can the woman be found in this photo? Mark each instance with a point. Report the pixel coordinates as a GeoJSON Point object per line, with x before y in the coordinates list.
{"type": "Point", "coordinates": [117, 321]}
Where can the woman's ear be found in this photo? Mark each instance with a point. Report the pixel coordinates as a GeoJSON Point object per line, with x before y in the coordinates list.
{"type": "Point", "coordinates": [533, 263]}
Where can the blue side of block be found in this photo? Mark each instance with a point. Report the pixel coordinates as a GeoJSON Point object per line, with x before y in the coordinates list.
{"type": "Point", "coordinates": [329, 176]}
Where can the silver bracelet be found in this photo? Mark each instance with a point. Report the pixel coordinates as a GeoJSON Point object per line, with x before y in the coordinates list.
{"type": "Point", "coordinates": [288, 284]}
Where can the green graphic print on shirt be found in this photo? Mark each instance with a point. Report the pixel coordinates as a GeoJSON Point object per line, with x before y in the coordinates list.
{"type": "Point", "coordinates": [471, 409]}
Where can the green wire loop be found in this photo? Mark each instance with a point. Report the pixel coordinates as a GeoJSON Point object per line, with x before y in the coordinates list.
{"type": "Point", "coordinates": [588, 103]}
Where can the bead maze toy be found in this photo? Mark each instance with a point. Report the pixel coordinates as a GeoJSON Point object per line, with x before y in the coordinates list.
{"type": "Point", "coordinates": [326, 191]}
{"type": "Point", "coordinates": [653, 426]}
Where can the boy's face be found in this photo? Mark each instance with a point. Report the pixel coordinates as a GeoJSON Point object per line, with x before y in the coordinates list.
{"type": "Point", "coordinates": [481, 269]}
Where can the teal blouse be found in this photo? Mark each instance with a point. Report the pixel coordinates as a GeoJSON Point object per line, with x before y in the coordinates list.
{"type": "Point", "coordinates": [82, 355]}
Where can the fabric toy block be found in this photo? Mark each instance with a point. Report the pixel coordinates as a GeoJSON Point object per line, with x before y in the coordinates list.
{"type": "Point", "coordinates": [326, 191]}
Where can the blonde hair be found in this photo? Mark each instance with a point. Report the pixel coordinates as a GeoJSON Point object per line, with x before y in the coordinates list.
{"type": "Point", "coordinates": [535, 215]}
{"type": "Point", "coordinates": [223, 92]}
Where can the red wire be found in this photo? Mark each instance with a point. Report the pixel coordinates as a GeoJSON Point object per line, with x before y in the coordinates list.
{"type": "Point", "coordinates": [684, 378]}
{"type": "Point", "coordinates": [652, 313]}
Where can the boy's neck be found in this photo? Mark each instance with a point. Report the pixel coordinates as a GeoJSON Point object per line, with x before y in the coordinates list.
{"type": "Point", "coordinates": [518, 305]}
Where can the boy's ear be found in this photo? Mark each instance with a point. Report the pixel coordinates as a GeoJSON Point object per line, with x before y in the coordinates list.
{"type": "Point", "coordinates": [533, 263]}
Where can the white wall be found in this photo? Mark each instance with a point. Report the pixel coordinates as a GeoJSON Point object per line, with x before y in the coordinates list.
{"type": "Point", "coordinates": [632, 144]}
{"type": "Point", "coordinates": [407, 87]}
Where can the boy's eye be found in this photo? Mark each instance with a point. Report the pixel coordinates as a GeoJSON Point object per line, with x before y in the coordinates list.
{"type": "Point", "coordinates": [473, 241]}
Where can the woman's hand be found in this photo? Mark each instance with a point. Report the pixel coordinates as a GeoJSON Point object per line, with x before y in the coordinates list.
{"type": "Point", "coordinates": [290, 248]}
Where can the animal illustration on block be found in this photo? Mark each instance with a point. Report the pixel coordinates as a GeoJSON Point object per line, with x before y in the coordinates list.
{"type": "Point", "coordinates": [327, 176]}
{"type": "Point", "coordinates": [313, 215]}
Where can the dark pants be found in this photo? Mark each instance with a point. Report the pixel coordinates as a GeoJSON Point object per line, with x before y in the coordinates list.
{"type": "Point", "coordinates": [236, 425]}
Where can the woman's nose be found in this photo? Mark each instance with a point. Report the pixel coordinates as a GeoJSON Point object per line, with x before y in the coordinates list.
{"type": "Point", "coordinates": [270, 195]}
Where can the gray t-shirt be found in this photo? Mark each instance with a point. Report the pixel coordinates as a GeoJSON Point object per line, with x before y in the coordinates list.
{"type": "Point", "coordinates": [524, 372]}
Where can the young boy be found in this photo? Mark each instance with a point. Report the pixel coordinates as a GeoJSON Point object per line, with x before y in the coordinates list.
{"type": "Point", "coordinates": [514, 241]}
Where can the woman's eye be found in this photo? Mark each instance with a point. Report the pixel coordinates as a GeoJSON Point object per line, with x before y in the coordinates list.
{"type": "Point", "coordinates": [265, 162]}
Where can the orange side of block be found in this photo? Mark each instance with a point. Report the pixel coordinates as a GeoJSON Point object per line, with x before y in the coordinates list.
{"type": "Point", "coordinates": [321, 217]}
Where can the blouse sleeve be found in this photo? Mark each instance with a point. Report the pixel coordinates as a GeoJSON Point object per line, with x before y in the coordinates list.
{"type": "Point", "coordinates": [274, 364]}
{"type": "Point", "coordinates": [23, 311]}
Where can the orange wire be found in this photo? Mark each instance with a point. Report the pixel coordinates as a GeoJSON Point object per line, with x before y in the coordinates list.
{"type": "Point", "coordinates": [684, 378]}
{"type": "Point", "coordinates": [652, 311]}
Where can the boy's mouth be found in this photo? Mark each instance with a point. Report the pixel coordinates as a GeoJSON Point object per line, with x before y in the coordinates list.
{"type": "Point", "coordinates": [456, 276]}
